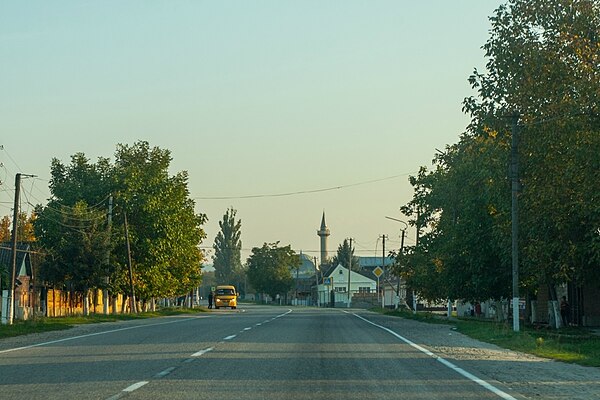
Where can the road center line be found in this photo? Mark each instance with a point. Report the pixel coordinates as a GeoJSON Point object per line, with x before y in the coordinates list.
{"type": "Point", "coordinates": [164, 373]}
{"type": "Point", "coordinates": [135, 386]}
{"type": "Point", "coordinates": [445, 362]}
{"type": "Point", "coordinates": [229, 337]}
{"type": "Point", "coordinates": [202, 352]}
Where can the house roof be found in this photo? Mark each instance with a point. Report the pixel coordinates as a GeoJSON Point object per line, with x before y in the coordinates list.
{"type": "Point", "coordinates": [23, 258]}
{"type": "Point", "coordinates": [372, 262]}
{"type": "Point", "coordinates": [366, 274]}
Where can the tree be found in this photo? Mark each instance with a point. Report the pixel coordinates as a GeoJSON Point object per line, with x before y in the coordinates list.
{"type": "Point", "coordinates": [343, 256]}
{"type": "Point", "coordinates": [228, 246]}
{"type": "Point", "coordinates": [25, 228]}
{"type": "Point", "coordinates": [77, 257]}
{"type": "Point", "coordinates": [5, 224]}
{"type": "Point", "coordinates": [269, 268]}
{"type": "Point", "coordinates": [543, 58]}
{"type": "Point", "coordinates": [164, 229]}
{"type": "Point", "coordinates": [71, 228]}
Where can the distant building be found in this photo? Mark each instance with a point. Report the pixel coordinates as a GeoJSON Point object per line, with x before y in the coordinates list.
{"type": "Point", "coordinates": [334, 287]}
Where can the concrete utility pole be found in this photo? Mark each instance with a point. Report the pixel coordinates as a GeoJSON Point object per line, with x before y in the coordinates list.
{"type": "Point", "coordinates": [317, 281]}
{"type": "Point", "coordinates": [349, 272]}
{"type": "Point", "coordinates": [13, 268]}
{"type": "Point", "coordinates": [132, 289]}
{"type": "Point", "coordinates": [397, 301]}
{"type": "Point", "coordinates": [514, 156]}
{"type": "Point", "coordinates": [13, 272]}
{"type": "Point", "coordinates": [105, 301]}
{"type": "Point", "coordinates": [398, 282]}
{"type": "Point", "coordinates": [384, 236]}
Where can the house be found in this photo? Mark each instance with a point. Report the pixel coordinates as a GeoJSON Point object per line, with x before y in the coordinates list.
{"type": "Point", "coordinates": [333, 288]}
{"type": "Point", "coordinates": [24, 301]}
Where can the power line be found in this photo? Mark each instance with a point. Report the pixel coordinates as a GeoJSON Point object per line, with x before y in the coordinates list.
{"type": "Point", "coordinates": [254, 196]}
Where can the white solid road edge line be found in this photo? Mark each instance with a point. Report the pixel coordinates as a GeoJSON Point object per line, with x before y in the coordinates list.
{"type": "Point", "coordinates": [93, 334]}
{"type": "Point", "coordinates": [445, 362]}
{"type": "Point", "coordinates": [135, 386]}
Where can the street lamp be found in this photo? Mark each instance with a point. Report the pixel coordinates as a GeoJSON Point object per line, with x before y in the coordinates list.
{"type": "Point", "coordinates": [397, 301]}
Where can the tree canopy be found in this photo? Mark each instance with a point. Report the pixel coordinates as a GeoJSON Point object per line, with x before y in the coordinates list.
{"type": "Point", "coordinates": [165, 231]}
{"type": "Point", "coordinates": [544, 67]}
{"type": "Point", "coordinates": [269, 268]}
{"type": "Point", "coordinates": [344, 255]}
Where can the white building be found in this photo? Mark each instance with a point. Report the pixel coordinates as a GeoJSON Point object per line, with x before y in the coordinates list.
{"type": "Point", "coordinates": [337, 280]}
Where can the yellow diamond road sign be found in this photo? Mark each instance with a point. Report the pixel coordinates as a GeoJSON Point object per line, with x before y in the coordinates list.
{"type": "Point", "coordinates": [378, 271]}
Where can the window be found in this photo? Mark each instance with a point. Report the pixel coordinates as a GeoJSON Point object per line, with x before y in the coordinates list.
{"type": "Point", "coordinates": [364, 289]}
{"type": "Point", "coordinates": [340, 289]}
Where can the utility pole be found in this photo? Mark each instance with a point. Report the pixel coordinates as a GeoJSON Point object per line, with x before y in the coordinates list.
{"type": "Point", "coordinates": [13, 268]}
{"type": "Point", "coordinates": [13, 274]}
{"type": "Point", "coordinates": [349, 272]}
{"type": "Point", "coordinates": [105, 298]}
{"type": "Point", "coordinates": [317, 281]}
{"type": "Point", "coordinates": [514, 157]}
{"type": "Point", "coordinates": [132, 290]}
{"type": "Point", "coordinates": [384, 236]}
{"type": "Point", "coordinates": [398, 282]}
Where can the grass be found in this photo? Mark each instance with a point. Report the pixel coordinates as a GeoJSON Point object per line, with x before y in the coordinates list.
{"type": "Point", "coordinates": [61, 323]}
{"type": "Point", "coordinates": [572, 345]}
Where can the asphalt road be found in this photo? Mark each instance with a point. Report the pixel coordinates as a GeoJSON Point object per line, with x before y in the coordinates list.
{"type": "Point", "coordinates": [254, 352]}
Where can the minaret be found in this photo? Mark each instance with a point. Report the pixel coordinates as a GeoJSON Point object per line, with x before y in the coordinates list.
{"type": "Point", "coordinates": [323, 233]}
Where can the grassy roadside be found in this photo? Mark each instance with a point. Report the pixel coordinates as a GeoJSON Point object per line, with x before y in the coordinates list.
{"type": "Point", "coordinates": [573, 345]}
{"type": "Point", "coordinates": [61, 323]}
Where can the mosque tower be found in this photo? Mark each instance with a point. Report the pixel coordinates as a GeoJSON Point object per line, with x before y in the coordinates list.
{"type": "Point", "coordinates": [323, 234]}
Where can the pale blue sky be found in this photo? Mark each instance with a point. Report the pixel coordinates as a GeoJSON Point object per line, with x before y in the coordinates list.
{"type": "Point", "coordinates": [251, 97]}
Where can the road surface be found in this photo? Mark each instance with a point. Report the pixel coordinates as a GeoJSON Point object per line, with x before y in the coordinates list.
{"type": "Point", "coordinates": [254, 352]}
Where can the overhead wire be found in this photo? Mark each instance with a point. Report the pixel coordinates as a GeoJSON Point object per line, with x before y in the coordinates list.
{"type": "Point", "coordinates": [300, 192]}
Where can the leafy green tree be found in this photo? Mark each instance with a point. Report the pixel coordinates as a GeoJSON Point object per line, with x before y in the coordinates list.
{"type": "Point", "coordinates": [71, 228]}
{"type": "Point", "coordinates": [77, 257]}
{"type": "Point", "coordinates": [228, 247]}
{"type": "Point", "coordinates": [542, 64]}
{"type": "Point", "coordinates": [164, 229]}
{"type": "Point", "coordinates": [344, 255]}
{"type": "Point", "coordinates": [464, 208]}
{"type": "Point", "coordinates": [543, 58]}
{"type": "Point", "coordinates": [269, 268]}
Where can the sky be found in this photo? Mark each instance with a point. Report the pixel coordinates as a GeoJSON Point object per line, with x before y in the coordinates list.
{"type": "Point", "coordinates": [282, 110]}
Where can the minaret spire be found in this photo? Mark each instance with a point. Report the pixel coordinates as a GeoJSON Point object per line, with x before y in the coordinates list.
{"type": "Point", "coordinates": [323, 233]}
